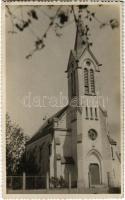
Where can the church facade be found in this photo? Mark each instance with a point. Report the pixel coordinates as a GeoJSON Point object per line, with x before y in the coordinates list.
{"type": "Point", "coordinates": [75, 142]}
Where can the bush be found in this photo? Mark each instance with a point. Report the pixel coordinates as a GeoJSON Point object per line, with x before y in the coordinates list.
{"type": "Point", "coordinates": [58, 182]}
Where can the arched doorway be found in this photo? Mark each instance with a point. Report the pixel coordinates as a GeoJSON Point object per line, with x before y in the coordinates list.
{"type": "Point", "coordinates": [95, 168]}
{"type": "Point", "coordinates": [94, 174]}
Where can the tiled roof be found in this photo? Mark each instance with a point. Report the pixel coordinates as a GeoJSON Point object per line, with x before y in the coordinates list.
{"type": "Point", "coordinates": [47, 127]}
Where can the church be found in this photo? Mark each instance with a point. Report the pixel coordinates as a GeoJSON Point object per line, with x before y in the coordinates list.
{"type": "Point", "coordinates": [75, 142]}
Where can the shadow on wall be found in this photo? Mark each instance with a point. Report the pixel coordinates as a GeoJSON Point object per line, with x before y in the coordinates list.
{"type": "Point", "coordinates": [70, 150]}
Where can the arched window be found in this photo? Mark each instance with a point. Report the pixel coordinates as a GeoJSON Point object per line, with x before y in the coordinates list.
{"type": "Point", "coordinates": [96, 114]}
{"type": "Point", "coordinates": [87, 116]}
{"type": "Point", "coordinates": [86, 81]}
{"type": "Point", "coordinates": [92, 81]}
{"type": "Point", "coordinates": [73, 83]}
{"type": "Point", "coordinates": [112, 153]}
{"type": "Point", "coordinates": [91, 113]}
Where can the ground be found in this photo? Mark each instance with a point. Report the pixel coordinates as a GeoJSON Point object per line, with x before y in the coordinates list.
{"type": "Point", "coordinates": [66, 191]}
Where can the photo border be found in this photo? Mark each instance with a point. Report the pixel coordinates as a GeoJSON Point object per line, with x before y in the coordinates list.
{"type": "Point", "coordinates": [3, 95]}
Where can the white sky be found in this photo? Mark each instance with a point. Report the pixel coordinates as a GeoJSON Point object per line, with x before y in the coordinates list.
{"type": "Point", "coordinates": [43, 74]}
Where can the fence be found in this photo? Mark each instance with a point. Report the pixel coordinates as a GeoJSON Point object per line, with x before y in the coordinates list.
{"type": "Point", "coordinates": [36, 182]}
{"type": "Point", "coordinates": [26, 182]}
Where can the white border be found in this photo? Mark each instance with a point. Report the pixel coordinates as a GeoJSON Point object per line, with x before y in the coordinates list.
{"type": "Point", "coordinates": [3, 97]}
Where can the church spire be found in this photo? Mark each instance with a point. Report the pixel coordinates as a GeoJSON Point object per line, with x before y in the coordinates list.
{"type": "Point", "coordinates": [81, 41]}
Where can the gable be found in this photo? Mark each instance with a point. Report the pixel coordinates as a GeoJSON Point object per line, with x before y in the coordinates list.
{"type": "Point", "coordinates": [88, 55]}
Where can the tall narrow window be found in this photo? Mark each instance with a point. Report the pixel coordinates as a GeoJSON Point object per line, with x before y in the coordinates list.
{"type": "Point", "coordinates": [86, 81]}
{"type": "Point", "coordinates": [112, 153]}
{"type": "Point", "coordinates": [50, 149]}
{"type": "Point", "coordinates": [91, 113]}
{"type": "Point", "coordinates": [96, 115]}
{"type": "Point", "coordinates": [74, 83]}
{"type": "Point", "coordinates": [87, 116]}
{"type": "Point", "coordinates": [92, 81]}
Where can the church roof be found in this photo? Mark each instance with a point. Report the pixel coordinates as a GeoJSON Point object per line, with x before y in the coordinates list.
{"type": "Point", "coordinates": [111, 141]}
{"type": "Point", "coordinates": [47, 127]}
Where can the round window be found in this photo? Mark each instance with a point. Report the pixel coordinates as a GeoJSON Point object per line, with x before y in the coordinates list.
{"type": "Point", "coordinates": [88, 63]}
{"type": "Point", "coordinates": [92, 134]}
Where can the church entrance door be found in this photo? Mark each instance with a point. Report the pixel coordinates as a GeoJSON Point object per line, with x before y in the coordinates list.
{"type": "Point", "coordinates": [94, 174]}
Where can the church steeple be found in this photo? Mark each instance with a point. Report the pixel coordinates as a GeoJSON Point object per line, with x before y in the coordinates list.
{"type": "Point", "coordinates": [82, 65]}
{"type": "Point", "coordinates": [81, 41]}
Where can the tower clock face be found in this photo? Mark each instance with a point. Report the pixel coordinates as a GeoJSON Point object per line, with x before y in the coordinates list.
{"type": "Point", "coordinates": [92, 134]}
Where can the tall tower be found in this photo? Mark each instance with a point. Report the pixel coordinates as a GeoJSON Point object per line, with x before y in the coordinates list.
{"type": "Point", "coordinates": [91, 148]}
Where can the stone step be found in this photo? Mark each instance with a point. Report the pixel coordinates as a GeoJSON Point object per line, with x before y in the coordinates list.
{"type": "Point", "coordinates": [99, 189]}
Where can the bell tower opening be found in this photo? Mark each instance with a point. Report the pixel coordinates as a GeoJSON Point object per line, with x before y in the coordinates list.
{"type": "Point", "coordinates": [89, 78]}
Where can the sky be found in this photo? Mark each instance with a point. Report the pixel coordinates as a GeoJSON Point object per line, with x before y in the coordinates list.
{"type": "Point", "coordinates": [44, 73]}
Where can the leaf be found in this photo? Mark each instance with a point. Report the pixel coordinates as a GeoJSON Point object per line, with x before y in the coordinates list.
{"type": "Point", "coordinates": [19, 27]}
{"type": "Point", "coordinates": [44, 35]}
{"type": "Point", "coordinates": [102, 25]}
{"type": "Point", "coordinates": [39, 41]}
{"type": "Point", "coordinates": [58, 34]}
{"type": "Point", "coordinates": [83, 42]}
{"type": "Point", "coordinates": [26, 24]}
{"type": "Point", "coordinates": [34, 14]}
{"type": "Point", "coordinates": [28, 56]}
{"type": "Point", "coordinates": [39, 44]}
{"type": "Point", "coordinates": [93, 14]}
{"type": "Point", "coordinates": [29, 21]}
{"type": "Point", "coordinates": [63, 17]}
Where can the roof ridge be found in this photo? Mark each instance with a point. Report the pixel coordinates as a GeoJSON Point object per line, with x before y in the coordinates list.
{"type": "Point", "coordinates": [38, 134]}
